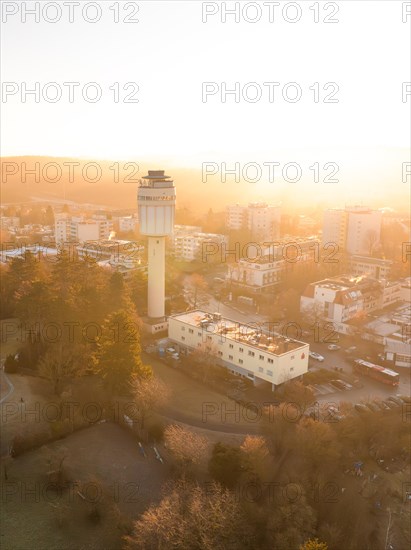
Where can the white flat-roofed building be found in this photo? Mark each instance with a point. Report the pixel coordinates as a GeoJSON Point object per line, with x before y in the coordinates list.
{"type": "Point", "coordinates": [188, 242]}
{"type": "Point", "coordinates": [343, 299]}
{"type": "Point", "coordinates": [45, 252]}
{"type": "Point", "coordinates": [271, 265]}
{"type": "Point", "coordinates": [363, 230]}
{"type": "Point", "coordinates": [262, 219]}
{"type": "Point", "coordinates": [236, 216]}
{"type": "Point", "coordinates": [377, 268]}
{"type": "Point", "coordinates": [79, 228]}
{"type": "Point", "coordinates": [394, 327]}
{"type": "Point", "coordinates": [390, 293]}
{"type": "Point", "coordinates": [355, 229]}
{"type": "Point", "coordinates": [247, 350]}
{"type": "Point", "coordinates": [405, 290]}
{"type": "Point", "coordinates": [126, 223]}
{"type": "Point", "coordinates": [110, 250]}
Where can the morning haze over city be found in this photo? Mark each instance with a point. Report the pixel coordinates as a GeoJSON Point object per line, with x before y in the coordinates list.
{"type": "Point", "coordinates": [205, 275]}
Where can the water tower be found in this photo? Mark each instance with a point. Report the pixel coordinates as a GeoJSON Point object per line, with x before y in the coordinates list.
{"type": "Point", "coordinates": [156, 199]}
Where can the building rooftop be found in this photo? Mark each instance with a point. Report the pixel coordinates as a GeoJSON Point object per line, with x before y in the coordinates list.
{"type": "Point", "coordinates": [250, 335]}
{"type": "Point", "coordinates": [370, 260]}
{"type": "Point", "coordinates": [157, 179]}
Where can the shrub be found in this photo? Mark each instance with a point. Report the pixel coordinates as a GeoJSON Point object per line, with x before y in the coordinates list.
{"type": "Point", "coordinates": [10, 364]}
{"type": "Point", "coordinates": [225, 464]}
{"type": "Point", "coordinates": [156, 431]}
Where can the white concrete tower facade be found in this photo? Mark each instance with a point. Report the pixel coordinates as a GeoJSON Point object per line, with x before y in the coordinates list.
{"type": "Point", "coordinates": [156, 206]}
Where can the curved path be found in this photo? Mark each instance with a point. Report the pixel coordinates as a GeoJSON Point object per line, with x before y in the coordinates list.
{"type": "Point", "coordinates": [4, 379]}
{"type": "Point", "coordinates": [224, 427]}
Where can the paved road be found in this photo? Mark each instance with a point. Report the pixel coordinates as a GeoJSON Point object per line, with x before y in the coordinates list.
{"type": "Point", "coordinates": [371, 389]}
{"type": "Point", "coordinates": [6, 386]}
{"type": "Point", "coordinates": [224, 427]}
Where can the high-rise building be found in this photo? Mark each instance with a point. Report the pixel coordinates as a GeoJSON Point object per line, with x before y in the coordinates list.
{"type": "Point", "coordinates": [189, 242]}
{"type": "Point", "coordinates": [262, 220]}
{"type": "Point", "coordinates": [156, 206]}
{"type": "Point", "coordinates": [355, 230]}
{"type": "Point", "coordinates": [80, 229]}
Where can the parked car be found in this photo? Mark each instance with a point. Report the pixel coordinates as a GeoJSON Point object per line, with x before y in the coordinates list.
{"type": "Point", "coordinates": [337, 384]}
{"type": "Point", "coordinates": [341, 384]}
{"type": "Point", "coordinates": [333, 347]}
{"type": "Point", "coordinates": [390, 404]}
{"type": "Point", "coordinates": [396, 400]}
{"type": "Point", "coordinates": [359, 407]}
{"type": "Point", "coordinates": [372, 406]}
{"type": "Point", "coordinates": [316, 356]}
{"type": "Point", "coordinates": [404, 398]}
{"type": "Point", "coordinates": [383, 406]}
{"type": "Point", "coordinates": [351, 350]}
{"type": "Point", "coordinates": [346, 385]}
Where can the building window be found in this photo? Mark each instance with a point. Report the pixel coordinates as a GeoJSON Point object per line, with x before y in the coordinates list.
{"type": "Point", "coordinates": [251, 353]}
{"type": "Point", "coordinates": [199, 345]}
{"type": "Point", "coordinates": [231, 346]}
{"type": "Point", "coordinates": [220, 353]}
{"type": "Point", "coordinates": [261, 357]}
{"type": "Point", "coordinates": [260, 369]}
{"type": "Point", "coordinates": [230, 357]}
{"type": "Point", "coordinates": [190, 330]}
{"type": "Point", "coordinates": [240, 361]}
{"type": "Point", "coordinates": [291, 369]}
{"type": "Point", "coordinates": [270, 372]}
{"type": "Point", "coordinates": [241, 349]}
{"type": "Point", "coordinates": [270, 360]}
{"type": "Point", "coordinates": [209, 338]}
{"type": "Point", "coordinates": [183, 337]}
{"type": "Point", "coordinates": [292, 357]}
{"type": "Point", "coordinates": [198, 333]}
{"type": "Point", "coordinates": [183, 328]}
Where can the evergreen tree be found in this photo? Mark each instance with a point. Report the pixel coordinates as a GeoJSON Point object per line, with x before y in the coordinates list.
{"type": "Point", "coordinates": [117, 357]}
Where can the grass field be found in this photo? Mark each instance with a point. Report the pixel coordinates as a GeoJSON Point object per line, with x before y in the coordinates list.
{"type": "Point", "coordinates": [103, 463]}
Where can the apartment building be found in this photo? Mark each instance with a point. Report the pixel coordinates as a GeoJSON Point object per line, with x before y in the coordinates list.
{"type": "Point", "coordinates": [261, 219]}
{"type": "Point", "coordinates": [254, 353]}
{"type": "Point", "coordinates": [270, 268]}
{"type": "Point", "coordinates": [355, 229]}
{"type": "Point", "coordinates": [188, 242]}
{"type": "Point", "coordinates": [397, 347]}
{"type": "Point", "coordinates": [377, 268]}
{"type": "Point", "coordinates": [341, 300]}
{"type": "Point", "coordinates": [79, 228]}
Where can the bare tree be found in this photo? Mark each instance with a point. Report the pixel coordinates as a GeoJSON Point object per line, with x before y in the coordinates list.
{"type": "Point", "coordinates": [58, 364]}
{"type": "Point", "coordinates": [192, 518]}
{"type": "Point", "coordinates": [206, 357]}
{"type": "Point", "coordinates": [313, 313]}
{"type": "Point", "coordinates": [149, 394]}
{"type": "Point", "coordinates": [197, 284]}
{"type": "Point", "coordinates": [256, 455]}
{"type": "Point", "coordinates": [370, 240]}
{"type": "Point", "coordinates": [187, 447]}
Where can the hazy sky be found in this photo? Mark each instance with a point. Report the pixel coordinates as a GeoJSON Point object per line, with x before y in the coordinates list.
{"type": "Point", "coordinates": [171, 52]}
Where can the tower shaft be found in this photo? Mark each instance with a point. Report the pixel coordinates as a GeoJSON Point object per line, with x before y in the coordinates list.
{"type": "Point", "coordinates": [156, 277]}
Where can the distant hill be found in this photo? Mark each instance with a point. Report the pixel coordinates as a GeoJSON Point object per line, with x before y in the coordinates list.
{"type": "Point", "coordinates": [114, 184]}
{"type": "Point", "coordinates": [61, 179]}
